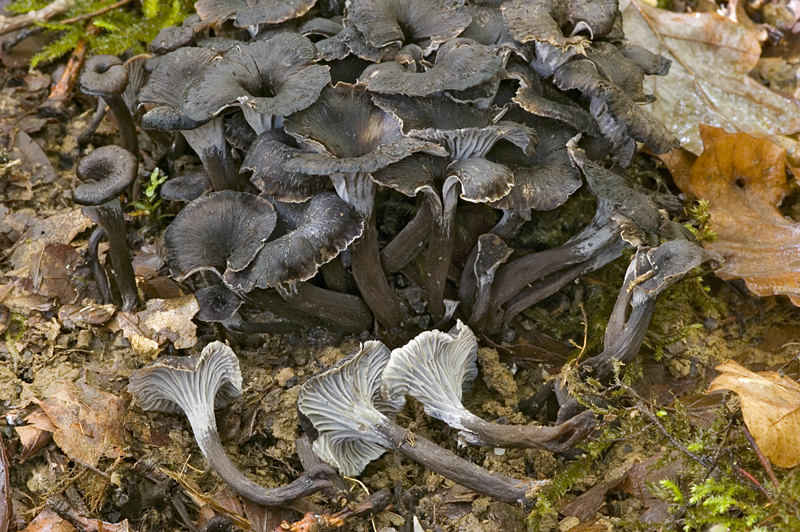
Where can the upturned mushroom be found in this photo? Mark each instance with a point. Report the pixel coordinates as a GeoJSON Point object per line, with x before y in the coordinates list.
{"type": "Point", "coordinates": [266, 79]}
{"type": "Point", "coordinates": [435, 366]}
{"type": "Point", "coordinates": [107, 172]}
{"type": "Point", "coordinates": [352, 417]}
{"type": "Point", "coordinates": [196, 385]}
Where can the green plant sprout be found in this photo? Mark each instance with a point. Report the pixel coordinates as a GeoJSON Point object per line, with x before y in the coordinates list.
{"type": "Point", "coordinates": [151, 200]}
{"type": "Point", "coordinates": [126, 28]}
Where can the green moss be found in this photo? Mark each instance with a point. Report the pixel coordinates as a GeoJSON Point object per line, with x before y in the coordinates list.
{"type": "Point", "coordinates": [127, 28]}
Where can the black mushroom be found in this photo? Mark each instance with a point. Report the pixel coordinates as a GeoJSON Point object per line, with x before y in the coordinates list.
{"type": "Point", "coordinates": [104, 76]}
{"type": "Point", "coordinates": [267, 79]}
{"type": "Point", "coordinates": [107, 172]}
{"type": "Point", "coordinates": [352, 417]}
{"type": "Point", "coordinates": [198, 384]}
{"type": "Point", "coordinates": [162, 95]}
{"type": "Point", "coordinates": [435, 366]}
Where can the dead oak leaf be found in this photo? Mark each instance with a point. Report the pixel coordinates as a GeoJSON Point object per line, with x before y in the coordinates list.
{"type": "Point", "coordinates": [708, 80]}
{"type": "Point", "coordinates": [88, 421]}
{"type": "Point", "coordinates": [770, 407]}
{"type": "Point", "coordinates": [744, 180]}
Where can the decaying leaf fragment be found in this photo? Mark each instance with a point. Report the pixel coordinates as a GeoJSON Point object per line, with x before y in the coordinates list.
{"type": "Point", "coordinates": [88, 422]}
{"type": "Point", "coordinates": [770, 407]}
{"type": "Point", "coordinates": [744, 180]}
{"type": "Point", "coordinates": [708, 82]}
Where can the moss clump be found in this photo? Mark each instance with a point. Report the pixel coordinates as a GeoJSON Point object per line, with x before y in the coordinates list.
{"type": "Point", "coordinates": [126, 28]}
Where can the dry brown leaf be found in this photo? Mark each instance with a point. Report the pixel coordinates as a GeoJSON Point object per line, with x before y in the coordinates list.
{"type": "Point", "coordinates": [88, 421]}
{"type": "Point", "coordinates": [708, 82]}
{"type": "Point", "coordinates": [171, 319]}
{"type": "Point", "coordinates": [744, 179]}
{"type": "Point", "coordinates": [770, 407]}
{"type": "Point", "coordinates": [49, 521]}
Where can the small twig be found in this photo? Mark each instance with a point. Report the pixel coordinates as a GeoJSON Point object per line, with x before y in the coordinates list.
{"type": "Point", "coordinates": [641, 407]}
{"type": "Point", "coordinates": [62, 91]}
{"type": "Point", "coordinates": [761, 457]}
{"type": "Point", "coordinates": [9, 24]}
{"type": "Point", "coordinates": [752, 479]}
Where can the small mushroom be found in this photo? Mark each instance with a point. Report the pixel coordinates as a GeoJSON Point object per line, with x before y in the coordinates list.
{"type": "Point", "coordinates": [492, 251]}
{"type": "Point", "coordinates": [353, 420]}
{"type": "Point", "coordinates": [104, 76]}
{"type": "Point", "coordinates": [108, 172]}
{"type": "Point", "coordinates": [435, 366]}
{"type": "Point", "coordinates": [197, 385]}
{"type": "Point", "coordinates": [186, 187]}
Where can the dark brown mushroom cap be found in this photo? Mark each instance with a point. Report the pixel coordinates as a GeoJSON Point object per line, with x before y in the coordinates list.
{"type": "Point", "coordinates": [169, 78]}
{"type": "Point", "coordinates": [103, 75]}
{"type": "Point", "coordinates": [394, 22]}
{"type": "Point", "coordinates": [652, 64]}
{"type": "Point", "coordinates": [619, 70]}
{"type": "Point", "coordinates": [613, 187]}
{"type": "Point", "coordinates": [460, 64]}
{"type": "Point", "coordinates": [194, 385]}
{"type": "Point", "coordinates": [545, 179]}
{"type": "Point", "coordinates": [348, 133]}
{"type": "Point", "coordinates": [172, 38]}
{"type": "Point", "coordinates": [217, 303]}
{"type": "Point", "coordinates": [344, 404]}
{"type": "Point", "coordinates": [274, 77]}
{"type": "Point", "coordinates": [318, 230]}
{"type": "Point", "coordinates": [487, 27]}
{"type": "Point", "coordinates": [216, 12]}
{"type": "Point", "coordinates": [434, 368]}
{"type": "Point", "coordinates": [540, 98]}
{"type": "Point", "coordinates": [610, 106]}
{"type": "Point", "coordinates": [547, 20]}
{"type": "Point", "coordinates": [266, 158]}
{"type": "Point", "coordinates": [107, 172]}
{"type": "Point", "coordinates": [320, 27]}
{"type": "Point", "coordinates": [482, 181]}
{"type": "Point", "coordinates": [217, 232]}
{"type": "Point", "coordinates": [413, 174]}
{"type": "Point", "coordinates": [271, 11]}
{"type": "Point", "coordinates": [463, 130]}
{"type": "Point", "coordinates": [186, 187]}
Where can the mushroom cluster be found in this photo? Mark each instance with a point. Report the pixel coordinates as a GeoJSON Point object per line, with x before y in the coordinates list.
{"type": "Point", "coordinates": [308, 119]}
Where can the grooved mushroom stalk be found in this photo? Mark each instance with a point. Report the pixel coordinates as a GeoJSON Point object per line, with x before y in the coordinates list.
{"type": "Point", "coordinates": [197, 384]}
{"type": "Point", "coordinates": [353, 422]}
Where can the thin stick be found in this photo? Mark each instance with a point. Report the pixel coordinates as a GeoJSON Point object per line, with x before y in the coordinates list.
{"type": "Point", "coordinates": [9, 24]}
{"type": "Point", "coordinates": [96, 13]}
{"type": "Point", "coordinates": [761, 457]}
{"type": "Point", "coordinates": [62, 91]}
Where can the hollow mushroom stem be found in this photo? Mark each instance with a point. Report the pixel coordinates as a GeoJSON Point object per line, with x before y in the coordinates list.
{"type": "Point", "coordinates": [97, 268]}
{"type": "Point", "coordinates": [409, 241]}
{"type": "Point", "coordinates": [347, 311]}
{"type": "Point", "coordinates": [195, 385]}
{"type": "Point", "coordinates": [440, 247]}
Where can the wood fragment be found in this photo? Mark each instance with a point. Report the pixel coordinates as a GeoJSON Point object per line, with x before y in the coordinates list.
{"type": "Point", "coordinates": [9, 24]}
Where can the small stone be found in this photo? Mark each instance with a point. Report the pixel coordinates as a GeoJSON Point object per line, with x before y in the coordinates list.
{"type": "Point", "coordinates": [284, 376]}
{"type": "Point", "coordinates": [568, 524]}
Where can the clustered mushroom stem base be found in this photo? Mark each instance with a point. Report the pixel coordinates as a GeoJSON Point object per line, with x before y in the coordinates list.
{"type": "Point", "coordinates": [211, 447]}
{"type": "Point", "coordinates": [409, 242]}
{"type": "Point", "coordinates": [449, 465]}
{"type": "Point", "coordinates": [370, 279]}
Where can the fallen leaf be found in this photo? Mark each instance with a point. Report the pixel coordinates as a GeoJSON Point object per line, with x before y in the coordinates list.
{"type": "Point", "coordinates": [88, 421]}
{"type": "Point", "coordinates": [57, 229]}
{"type": "Point", "coordinates": [50, 273]}
{"type": "Point", "coordinates": [770, 407]}
{"type": "Point", "coordinates": [708, 81]}
{"type": "Point", "coordinates": [588, 502]}
{"type": "Point", "coordinates": [744, 180]}
{"type": "Point", "coordinates": [35, 434]}
{"type": "Point", "coordinates": [49, 521]}
{"type": "Point", "coordinates": [171, 319]}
